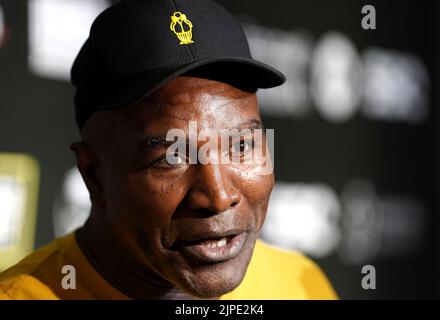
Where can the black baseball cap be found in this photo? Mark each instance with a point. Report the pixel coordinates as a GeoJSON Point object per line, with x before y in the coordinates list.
{"type": "Point", "coordinates": [136, 46]}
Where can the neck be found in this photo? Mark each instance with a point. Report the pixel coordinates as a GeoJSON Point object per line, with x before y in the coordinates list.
{"type": "Point", "coordinates": [121, 271]}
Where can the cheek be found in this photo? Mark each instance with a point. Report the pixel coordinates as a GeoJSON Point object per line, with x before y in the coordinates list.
{"type": "Point", "coordinates": [139, 207]}
{"type": "Point", "coordinates": [256, 189]}
{"type": "Point", "coordinates": [144, 202]}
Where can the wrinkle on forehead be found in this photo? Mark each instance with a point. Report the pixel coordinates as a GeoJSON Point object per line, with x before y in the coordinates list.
{"type": "Point", "coordinates": [204, 94]}
{"type": "Point", "coordinates": [201, 94]}
{"type": "Point", "coordinates": [185, 89]}
{"type": "Point", "coordinates": [191, 95]}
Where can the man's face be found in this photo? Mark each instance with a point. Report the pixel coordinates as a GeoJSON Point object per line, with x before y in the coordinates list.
{"type": "Point", "coordinates": [163, 215]}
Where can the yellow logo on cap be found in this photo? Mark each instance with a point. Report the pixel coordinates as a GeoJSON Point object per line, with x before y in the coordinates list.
{"type": "Point", "coordinates": [180, 20]}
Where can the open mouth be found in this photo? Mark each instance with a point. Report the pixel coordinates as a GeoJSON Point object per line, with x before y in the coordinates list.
{"type": "Point", "coordinates": [216, 243]}
{"type": "Point", "coordinates": [212, 250]}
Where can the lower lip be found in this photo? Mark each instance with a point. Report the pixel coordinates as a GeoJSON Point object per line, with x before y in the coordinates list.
{"type": "Point", "coordinates": [203, 253]}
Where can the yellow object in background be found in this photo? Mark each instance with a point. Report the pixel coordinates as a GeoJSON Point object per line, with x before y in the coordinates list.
{"type": "Point", "coordinates": [19, 181]}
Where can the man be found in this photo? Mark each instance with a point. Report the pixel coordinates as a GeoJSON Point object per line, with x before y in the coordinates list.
{"type": "Point", "coordinates": [161, 228]}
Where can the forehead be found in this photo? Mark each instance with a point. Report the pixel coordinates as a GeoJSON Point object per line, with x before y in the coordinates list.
{"type": "Point", "coordinates": [194, 99]}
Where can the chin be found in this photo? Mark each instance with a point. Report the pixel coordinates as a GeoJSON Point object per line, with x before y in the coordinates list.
{"type": "Point", "coordinates": [215, 280]}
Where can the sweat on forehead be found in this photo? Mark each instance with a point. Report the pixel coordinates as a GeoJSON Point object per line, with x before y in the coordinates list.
{"type": "Point", "coordinates": [179, 92]}
{"type": "Point", "coordinates": [185, 89]}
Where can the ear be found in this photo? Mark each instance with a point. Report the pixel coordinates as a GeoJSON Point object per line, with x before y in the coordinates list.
{"type": "Point", "coordinates": [88, 166]}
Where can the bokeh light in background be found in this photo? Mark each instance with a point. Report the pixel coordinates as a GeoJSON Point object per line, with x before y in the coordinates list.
{"type": "Point", "coordinates": [336, 77]}
{"type": "Point", "coordinates": [12, 200]}
{"type": "Point", "coordinates": [290, 52]}
{"type": "Point", "coordinates": [2, 27]}
{"type": "Point", "coordinates": [396, 86]}
{"type": "Point", "coordinates": [57, 30]}
{"type": "Point", "coordinates": [353, 186]}
{"type": "Point", "coordinates": [72, 205]}
{"type": "Point", "coordinates": [4, 30]}
{"type": "Point", "coordinates": [304, 217]}
{"type": "Point", "coordinates": [19, 177]}
{"type": "Point", "coordinates": [386, 85]}
{"type": "Point", "coordinates": [374, 226]}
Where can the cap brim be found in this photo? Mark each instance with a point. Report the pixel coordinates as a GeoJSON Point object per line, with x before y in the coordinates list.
{"type": "Point", "coordinates": [246, 72]}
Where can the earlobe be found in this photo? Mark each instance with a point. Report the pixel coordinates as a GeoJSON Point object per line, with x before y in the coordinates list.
{"type": "Point", "coordinates": [88, 166]}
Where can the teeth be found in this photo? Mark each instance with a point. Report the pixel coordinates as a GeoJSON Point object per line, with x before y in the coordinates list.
{"type": "Point", "coordinates": [216, 243]}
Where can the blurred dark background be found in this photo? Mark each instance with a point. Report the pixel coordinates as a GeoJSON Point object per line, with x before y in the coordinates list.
{"type": "Point", "coordinates": [356, 144]}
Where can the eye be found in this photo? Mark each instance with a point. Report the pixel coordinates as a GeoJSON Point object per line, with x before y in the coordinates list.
{"type": "Point", "coordinates": [242, 147]}
{"type": "Point", "coordinates": [170, 161]}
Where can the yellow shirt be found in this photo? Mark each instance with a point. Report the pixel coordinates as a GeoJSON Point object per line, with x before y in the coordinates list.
{"type": "Point", "coordinates": [272, 274]}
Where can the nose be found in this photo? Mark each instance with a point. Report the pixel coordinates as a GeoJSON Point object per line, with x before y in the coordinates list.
{"type": "Point", "coordinates": [213, 189]}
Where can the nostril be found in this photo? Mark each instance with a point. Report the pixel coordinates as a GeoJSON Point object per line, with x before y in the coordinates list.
{"type": "Point", "coordinates": [233, 204]}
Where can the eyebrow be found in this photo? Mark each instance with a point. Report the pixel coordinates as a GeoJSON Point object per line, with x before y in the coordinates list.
{"type": "Point", "coordinates": [155, 141]}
